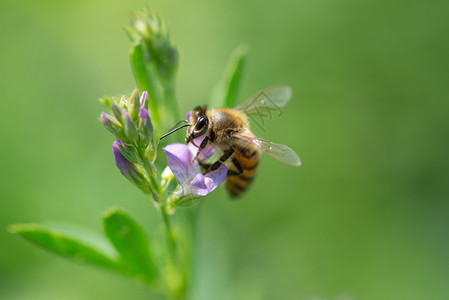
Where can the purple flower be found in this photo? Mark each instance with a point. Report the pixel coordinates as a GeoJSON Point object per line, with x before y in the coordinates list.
{"type": "Point", "coordinates": [193, 183]}
{"type": "Point", "coordinates": [127, 168]}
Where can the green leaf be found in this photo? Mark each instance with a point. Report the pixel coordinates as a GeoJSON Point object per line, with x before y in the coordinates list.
{"type": "Point", "coordinates": [145, 79]}
{"type": "Point", "coordinates": [73, 245]}
{"type": "Point", "coordinates": [130, 241]}
{"type": "Point", "coordinates": [225, 94]}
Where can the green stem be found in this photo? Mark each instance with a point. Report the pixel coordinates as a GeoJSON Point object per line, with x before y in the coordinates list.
{"type": "Point", "coordinates": [176, 279]}
{"type": "Point", "coordinates": [176, 275]}
{"type": "Point", "coordinates": [170, 97]}
{"type": "Point", "coordinates": [158, 194]}
{"type": "Point", "coordinates": [168, 110]}
{"type": "Point", "coordinates": [170, 237]}
{"type": "Point", "coordinates": [149, 169]}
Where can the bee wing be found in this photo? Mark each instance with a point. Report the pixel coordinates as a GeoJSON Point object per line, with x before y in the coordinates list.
{"type": "Point", "coordinates": [268, 100]}
{"type": "Point", "coordinates": [278, 151]}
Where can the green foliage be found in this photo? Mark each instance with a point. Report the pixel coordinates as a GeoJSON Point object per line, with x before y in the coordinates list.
{"type": "Point", "coordinates": [147, 26]}
{"type": "Point", "coordinates": [154, 63]}
{"type": "Point", "coordinates": [367, 216]}
{"type": "Point", "coordinates": [225, 93]}
{"type": "Point", "coordinates": [154, 60]}
{"type": "Point", "coordinates": [131, 242]}
{"type": "Point", "coordinates": [66, 244]}
{"type": "Point", "coordinates": [143, 77]}
{"type": "Point", "coordinates": [128, 252]}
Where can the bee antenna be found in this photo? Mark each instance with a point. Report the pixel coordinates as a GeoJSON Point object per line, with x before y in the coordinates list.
{"type": "Point", "coordinates": [177, 123]}
{"type": "Point", "coordinates": [176, 129]}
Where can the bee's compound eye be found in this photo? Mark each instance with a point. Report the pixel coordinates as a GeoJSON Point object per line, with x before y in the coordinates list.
{"type": "Point", "coordinates": [200, 124]}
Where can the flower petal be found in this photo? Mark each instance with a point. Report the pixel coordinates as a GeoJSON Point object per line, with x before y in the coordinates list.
{"type": "Point", "coordinates": [215, 178]}
{"type": "Point", "coordinates": [201, 185]}
{"type": "Point", "coordinates": [193, 183]}
{"type": "Point", "coordinates": [197, 187]}
{"type": "Point", "coordinates": [179, 160]}
{"type": "Point", "coordinates": [126, 167]}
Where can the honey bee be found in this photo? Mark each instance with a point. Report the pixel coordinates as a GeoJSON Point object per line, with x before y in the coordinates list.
{"type": "Point", "coordinates": [227, 130]}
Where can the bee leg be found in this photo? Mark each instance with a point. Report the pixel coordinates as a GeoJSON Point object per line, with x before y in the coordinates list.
{"type": "Point", "coordinates": [201, 147]}
{"type": "Point", "coordinates": [238, 166]}
{"type": "Point", "coordinates": [204, 166]}
{"type": "Point", "coordinates": [219, 162]}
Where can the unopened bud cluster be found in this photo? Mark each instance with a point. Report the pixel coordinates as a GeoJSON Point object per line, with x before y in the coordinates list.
{"type": "Point", "coordinates": [135, 148]}
{"type": "Point", "coordinates": [152, 30]}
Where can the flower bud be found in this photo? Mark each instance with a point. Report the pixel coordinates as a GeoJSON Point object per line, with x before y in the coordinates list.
{"type": "Point", "coordinates": [134, 105]}
{"type": "Point", "coordinates": [130, 128]}
{"type": "Point", "coordinates": [112, 124]}
{"type": "Point", "coordinates": [149, 27]}
{"type": "Point", "coordinates": [130, 153]}
{"type": "Point", "coordinates": [144, 100]}
{"type": "Point", "coordinates": [116, 110]}
{"type": "Point", "coordinates": [123, 102]}
{"type": "Point", "coordinates": [146, 128]}
{"type": "Point", "coordinates": [128, 169]}
{"type": "Point", "coordinates": [167, 176]}
{"type": "Point", "coordinates": [152, 151]}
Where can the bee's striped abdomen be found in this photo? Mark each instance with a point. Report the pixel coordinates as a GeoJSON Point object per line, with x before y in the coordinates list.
{"type": "Point", "coordinates": [242, 169]}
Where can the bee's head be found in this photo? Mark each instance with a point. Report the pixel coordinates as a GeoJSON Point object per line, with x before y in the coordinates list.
{"type": "Point", "coordinates": [199, 123]}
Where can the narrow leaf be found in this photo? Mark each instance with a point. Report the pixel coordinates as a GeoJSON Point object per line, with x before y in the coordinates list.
{"type": "Point", "coordinates": [225, 94]}
{"type": "Point", "coordinates": [131, 242]}
{"type": "Point", "coordinates": [66, 244]}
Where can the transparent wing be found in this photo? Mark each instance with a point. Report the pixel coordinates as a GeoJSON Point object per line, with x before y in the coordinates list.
{"type": "Point", "coordinates": [278, 151]}
{"type": "Point", "coordinates": [270, 99]}
{"type": "Point", "coordinates": [265, 105]}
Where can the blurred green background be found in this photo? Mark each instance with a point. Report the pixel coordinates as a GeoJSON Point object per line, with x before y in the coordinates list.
{"type": "Point", "coordinates": [365, 217]}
